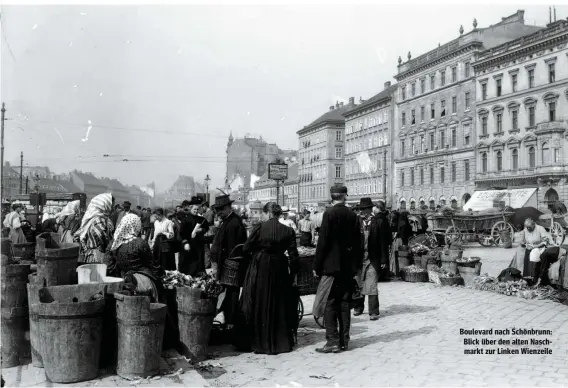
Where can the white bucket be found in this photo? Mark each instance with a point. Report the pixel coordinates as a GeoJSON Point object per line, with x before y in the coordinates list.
{"type": "Point", "coordinates": [91, 273]}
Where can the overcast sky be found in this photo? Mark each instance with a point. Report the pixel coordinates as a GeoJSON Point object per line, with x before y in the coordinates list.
{"type": "Point", "coordinates": [196, 73]}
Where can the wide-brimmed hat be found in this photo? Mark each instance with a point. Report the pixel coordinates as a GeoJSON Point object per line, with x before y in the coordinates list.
{"type": "Point", "coordinates": [222, 201]}
{"type": "Point", "coordinates": [285, 209]}
{"type": "Point", "coordinates": [195, 201]}
{"type": "Point", "coordinates": [365, 203]}
{"type": "Point", "coordinates": [126, 203]}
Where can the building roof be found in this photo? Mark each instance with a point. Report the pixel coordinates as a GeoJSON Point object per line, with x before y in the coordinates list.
{"type": "Point", "coordinates": [9, 171]}
{"type": "Point", "coordinates": [70, 187]}
{"type": "Point", "coordinates": [383, 95]}
{"type": "Point", "coordinates": [88, 178]}
{"type": "Point", "coordinates": [335, 115]}
{"type": "Point", "coordinates": [113, 184]}
{"type": "Point", "coordinates": [53, 186]}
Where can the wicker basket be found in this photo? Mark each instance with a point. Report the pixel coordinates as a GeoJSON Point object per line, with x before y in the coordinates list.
{"type": "Point", "coordinates": [434, 277]}
{"type": "Point", "coordinates": [415, 277]}
{"type": "Point", "coordinates": [456, 280]}
{"type": "Point", "coordinates": [470, 264]}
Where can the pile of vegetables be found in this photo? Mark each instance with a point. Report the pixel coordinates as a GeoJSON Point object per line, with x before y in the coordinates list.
{"type": "Point", "coordinates": [419, 249]}
{"type": "Point", "coordinates": [207, 283]}
{"type": "Point", "coordinates": [306, 251]}
{"type": "Point", "coordinates": [520, 288]}
{"type": "Point", "coordinates": [443, 273]}
{"type": "Point", "coordinates": [468, 260]}
{"type": "Point", "coordinates": [413, 269]}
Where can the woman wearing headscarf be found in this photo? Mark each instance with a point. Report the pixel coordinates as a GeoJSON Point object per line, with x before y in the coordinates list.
{"type": "Point", "coordinates": [13, 222]}
{"type": "Point", "coordinates": [69, 221]}
{"type": "Point", "coordinates": [96, 231]}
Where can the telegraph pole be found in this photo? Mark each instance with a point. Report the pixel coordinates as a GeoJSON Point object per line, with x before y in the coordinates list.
{"type": "Point", "coordinates": [21, 171]}
{"type": "Point", "coordinates": [2, 162]}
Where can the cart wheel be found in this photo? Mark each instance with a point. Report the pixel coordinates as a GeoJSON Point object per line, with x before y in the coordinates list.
{"type": "Point", "coordinates": [300, 309]}
{"type": "Point", "coordinates": [453, 235]}
{"type": "Point", "coordinates": [320, 321]}
{"type": "Point", "coordinates": [485, 240]}
{"type": "Point", "coordinates": [557, 234]}
{"type": "Point", "coordinates": [498, 228]}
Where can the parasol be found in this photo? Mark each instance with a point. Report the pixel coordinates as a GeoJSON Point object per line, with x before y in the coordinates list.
{"type": "Point", "coordinates": [523, 213]}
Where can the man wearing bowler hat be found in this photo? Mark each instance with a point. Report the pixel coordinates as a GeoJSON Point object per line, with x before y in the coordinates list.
{"type": "Point", "coordinates": [338, 260]}
{"type": "Point", "coordinates": [227, 245]}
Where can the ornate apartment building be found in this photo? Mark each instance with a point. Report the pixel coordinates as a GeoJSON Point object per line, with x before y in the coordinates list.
{"type": "Point", "coordinates": [368, 154]}
{"type": "Point", "coordinates": [435, 135]}
{"type": "Point", "coordinates": [265, 189]}
{"type": "Point", "coordinates": [522, 110]}
{"type": "Point", "coordinates": [321, 156]}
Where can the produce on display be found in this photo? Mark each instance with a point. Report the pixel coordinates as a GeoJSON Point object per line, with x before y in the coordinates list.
{"type": "Point", "coordinates": [469, 260]}
{"type": "Point", "coordinates": [443, 273]}
{"type": "Point", "coordinates": [413, 269]}
{"type": "Point", "coordinates": [208, 284]}
{"type": "Point", "coordinates": [306, 251]}
{"type": "Point", "coordinates": [419, 249]}
{"type": "Point", "coordinates": [519, 288]}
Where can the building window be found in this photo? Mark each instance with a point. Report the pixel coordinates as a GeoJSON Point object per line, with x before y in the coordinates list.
{"type": "Point", "coordinates": [454, 74]}
{"type": "Point", "coordinates": [454, 105]}
{"type": "Point", "coordinates": [403, 91]}
{"type": "Point", "coordinates": [484, 162]}
{"type": "Point", "coordinates": [466, 169]}
{"type": "Point", "coordinates": [431, 175]}
{"type": "Point", "coordinates": [402, 148]}
{"type": "Point", "coordinates": [422, 145]}
{"type": "Point", "coordinates": [499, 122]}
{"type": "Point", "coordinates": [443, 108]}
{"type": "Point", "coordinates": [432, 82]}
{"type": "Point", "coordinates": [531, 116]}
{"type": "Point", "coordinates": [338, 153]}
{"type": "Point", "coordinates": [545, 154]}
{"type": "Point", "coordinates": [402, 178]}
{"type": "Point", "coordinates": [532, 157]}
{"type": "Point", "coordinates": [515, 158]}
{"type": "Point", "coordinates": [337, 135]}
{"type": "Point", "coordinates": [551, 73]}
{"type": "Point", "coordinates": [454, 172]}
{"type": "Point", "coordinates": [551, 111]}
{"type": "Point", "coordinates": [556, 155]}
{"type": "Point", "coordinates": [483, 91]}
{"type": "Point", "coordinates": [442, 139]}
{"type": "Point", "coordinates": [454, 138]}
{"type": "Point", "coordinates": [499, 161]}
{"type": "Point", "coordinates": [338, 171]}
{"type": "Point", "coordinates": [413, 86]}
{"type": "Point", "coordinates": [422, 86]}
{"type": "Point", "coordinates": [498, 84]}
{"type": "Point", "coordinates": [443, 77]}
{"type": "Point", "coordinates": [467, 101]}
{"type": "Point", "coordinates": [403, 118]}
{"type": "Point", "coordinates": [531, 78]}
{"type": "Point", "coordinates": [484, 125]}
{"type": "Point", "coordinates": [466, 140]}
{"type": "Point", "coordinates": [442, 174]}
{"type": "Point", "coordinates": [412, 177]}
{"type": "Point", "coordinates": [514, 82]}
{"type": "Point", "coordinates": [515, 119]}
{"type": "Point", "coordinates": [467, 69]}
{"type": "Point", "coordinates": [432, 141]}
{"type": "Point", "coordinates": [422, 113]}
{"type": "Point", "coordinates": [432, 111]}
{"type": "Point", "coordinates": [413, 116]}
{"type": "Point", "coordinates": [421, 175]}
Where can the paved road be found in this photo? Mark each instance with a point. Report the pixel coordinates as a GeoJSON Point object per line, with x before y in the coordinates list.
{"type": "Point", "coordinates": [416, 342]}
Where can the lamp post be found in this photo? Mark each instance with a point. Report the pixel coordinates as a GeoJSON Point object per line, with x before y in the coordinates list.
{"type": "Point", "coordinates": [207, 180]}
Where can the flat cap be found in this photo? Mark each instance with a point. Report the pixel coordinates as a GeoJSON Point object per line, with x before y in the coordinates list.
{"type": "Point", "coordinates": [338, 189]}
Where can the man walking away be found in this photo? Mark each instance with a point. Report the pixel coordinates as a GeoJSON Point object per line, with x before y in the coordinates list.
{"type": "Point", "coordinates": [339, 257]}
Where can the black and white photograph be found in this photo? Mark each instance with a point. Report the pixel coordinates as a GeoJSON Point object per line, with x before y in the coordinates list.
{"type": "Point", "coordinates": [284, 193]}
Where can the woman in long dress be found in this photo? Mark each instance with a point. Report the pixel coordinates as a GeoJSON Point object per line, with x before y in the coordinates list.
{"type": "Point", "coordinates": [96, 231]}
{"type": "Point", "coordinates": [268, 301]}
{"type": "Point", "coordinates": [69, 221]}
{"type": "Point", "coordinates": [13, 222]}
{"type": "Point", "coordinates": [163, 231]}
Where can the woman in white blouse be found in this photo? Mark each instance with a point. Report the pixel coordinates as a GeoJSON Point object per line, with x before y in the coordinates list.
{"type": "Point", "coordinates": [164, 252]}
{"type": "Point", "coordinates": [534, 238]}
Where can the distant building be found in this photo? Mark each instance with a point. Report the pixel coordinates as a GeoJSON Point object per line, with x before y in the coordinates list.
{"type": "Point", "coordinates": [37, 171]}
{"type": "Point", "coordinates": [10, 181]}
{"type": "Point", "coordinates": [139, 197]}
{"type": "Point", "coordinates": [522, 110]}
{"type": "Point", "coordinates": [265, 189]}
{"type": "Point", "coordinates": [369, 128]}
{"type": "Point", "coordinates": [88, 184]}
{"type": "Point", "coordinates": [117, 189]}
{"type": "Point", "coordinates": [321, 155]}
{"type": "Point", "coordinates": [54, 186]}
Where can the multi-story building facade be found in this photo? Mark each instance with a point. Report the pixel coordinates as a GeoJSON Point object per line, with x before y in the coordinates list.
{"type": "Point", "coordinates": [265, 189]}
{"type": "Point", "coordinates": [368, 154]}
{"type": "Point", "coordinates": [321, 156]}
{"type": "Point", "coordinates": [435, 139]}
{"type": "Point", "coordinates": [522, 114]}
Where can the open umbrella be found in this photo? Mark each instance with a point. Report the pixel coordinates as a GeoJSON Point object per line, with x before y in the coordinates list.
{"type": "Point", "coordinates": [520, 216]}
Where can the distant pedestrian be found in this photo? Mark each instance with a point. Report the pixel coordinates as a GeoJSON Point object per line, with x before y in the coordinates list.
{"type": "Point", "coordinates": [163, 231]}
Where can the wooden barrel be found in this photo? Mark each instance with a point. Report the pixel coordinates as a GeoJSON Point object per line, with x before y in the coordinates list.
{"type": "Point", "coordinates": [468, 273]}
{"type": "Point", "coordinates": [56, 261]}
{"type": "Point", "coordinates": [15, 346]}
{"type": "Point", "coordinates": [34, 285]}
{"type": "Point", "coordinates": [13, 282]}
{"type": "Point", "coordinates": [71, 331]}
{"type": "Point", "coordinates": [506, 238]}
{"type": "Point", "coordinates": [140, 335]}
{"type": "Point", "coordinates": [196, 317]}
{"type": "Point", "coordinates": [7, 248]}
{"type": "Point", "coordinates": [25, 251]}
{"type": "Point", "coordinates": [109, 350]}
{"type": "Point", "coordinates": [449, 260]}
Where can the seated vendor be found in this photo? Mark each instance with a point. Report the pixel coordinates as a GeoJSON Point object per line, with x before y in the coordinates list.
{"type": "Point", "coordinates": [534, 238]}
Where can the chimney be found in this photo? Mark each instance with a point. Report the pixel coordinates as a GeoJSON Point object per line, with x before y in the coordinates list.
{"type": "Point", "coordinates": [550, 14]}
{"type": "Point", "coordinates": [337, 104]}
{"type": "Point", "coordinates": [554, 13]}
{"type": "Point", "coordinates": [387, 85]}
{"type": "Point", "coordinates": [351, 100]}
{"type": "Point", "coordinates": [331, 108]}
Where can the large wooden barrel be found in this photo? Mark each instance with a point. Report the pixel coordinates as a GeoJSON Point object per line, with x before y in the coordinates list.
{"type": "Point", "coordinates": [109, 350]}
{"type": "Point", "coordinates": [140, 335]}
{"type": "Point", "coordinates": [7, 248]}
{"type": "Point", "coordinates": [56, 261]}
{"type": "Point", "coordinates": [15, 325]}
{"type": "Point", "coordinates": [71, 323]}
{"type": "Point", "coordinates": [196, 317]}
{"type": "Point", "coordinates": [25, 251]}
{"type": "Point", "coordinates": [34, 286]}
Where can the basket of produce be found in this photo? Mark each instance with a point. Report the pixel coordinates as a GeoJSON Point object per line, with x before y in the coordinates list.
{"type": "Point", "coordinates": [451, 280]}
{"type": "Point", "coordinates": [413, 274]}
{"type": "Point", "coordinates": [470, 262]}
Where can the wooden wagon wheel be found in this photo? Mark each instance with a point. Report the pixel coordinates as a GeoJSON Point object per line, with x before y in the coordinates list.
{"type": "Point", "coordinates": [557, 234]}
{"type": "Point", "coordinates": [320, 321]}
{"type": "Point", "coordinates": [499, 227]}
{"type": "Point", "coordinates": [300, 309]}
{"type": "Point", "coordinates": [453, 235]}
{"type": "Point", "coordinates": [485, 240]}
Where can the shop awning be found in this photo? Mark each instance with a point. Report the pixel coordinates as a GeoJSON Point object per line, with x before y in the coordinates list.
{"type": "Point", "coordinates": [515, 198]}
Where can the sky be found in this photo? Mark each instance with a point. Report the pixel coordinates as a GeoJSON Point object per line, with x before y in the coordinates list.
{"type": "Point", "coordinates": [158, 89]}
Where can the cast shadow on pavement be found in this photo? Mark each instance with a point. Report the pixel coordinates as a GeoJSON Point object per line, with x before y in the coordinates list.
{"type": "Point", "coordinates": [407, 309]}
{"type": "Point", "coordinates": [390, 337]}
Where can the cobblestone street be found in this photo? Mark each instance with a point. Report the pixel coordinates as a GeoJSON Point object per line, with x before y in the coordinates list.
{"type": "Point", "coordinates": [417, 341]}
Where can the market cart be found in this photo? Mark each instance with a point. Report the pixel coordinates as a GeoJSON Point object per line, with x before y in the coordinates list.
{"type": "Point", "coordinates": [306, 282]}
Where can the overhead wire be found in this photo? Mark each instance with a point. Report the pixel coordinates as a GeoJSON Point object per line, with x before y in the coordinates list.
{"type": "Point", "coordinates": [2, 17]}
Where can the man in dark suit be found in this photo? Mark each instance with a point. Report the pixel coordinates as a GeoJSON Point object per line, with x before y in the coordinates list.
{"type": "Point", "coordinates": [339, 257]}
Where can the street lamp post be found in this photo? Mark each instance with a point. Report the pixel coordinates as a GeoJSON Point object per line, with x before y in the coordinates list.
{"type": "Point", "coordinates": [207, 180]}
